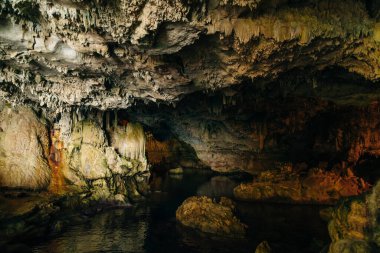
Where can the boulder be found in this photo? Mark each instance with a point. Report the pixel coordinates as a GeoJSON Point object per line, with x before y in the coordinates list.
{"type": "Point", "coordinates": [208, 216]}
{"type": "Point", "coordinates": [263, 247]}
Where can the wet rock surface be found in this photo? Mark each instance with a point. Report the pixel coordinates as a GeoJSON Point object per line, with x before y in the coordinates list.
{"type": "Point", "coordinates": [71, 57]}
{"type": "Point", "coordinates": [289, 185]}
{"type": "Point", "coordinates": [27, 214]}
{"type": "Point", "coordinates": [208, 216]}
{"type": "Point", "coordinates": [354, 225]}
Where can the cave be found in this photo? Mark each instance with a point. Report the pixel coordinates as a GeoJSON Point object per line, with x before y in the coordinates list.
{"type": "Point", "coordinates": [190, 126]}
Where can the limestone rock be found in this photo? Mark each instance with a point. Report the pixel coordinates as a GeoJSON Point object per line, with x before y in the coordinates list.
{"type": "Point", "coordinates": [240, 129]}
{"type": "Point", "coordinates": [93, 163]}
{"type": "Point", "coordinates": [170, 152]}
{"type": "Point", "coordinates": [93, 166]}
{"type": "Point", "coordinates": [24, 149]}
{"type": "Point", "coordinates": [354, 225]}
{"type": "Point", "coordinates": [118, 164]}
{"type": "Point", "coordinates": [286, 184]}
{"type": "Point", "coordinates": [129, 141]}
{"type": "Point", "coordinates": [100, 190]}
{"type": "Point", "coordinates": [208, 216]}
{"type": "Point", "coordinates": [104, 55]}
{"type": "Point", "coordinates": [86, 151]}
{"type": "Point", "coordinates": [263, 247]}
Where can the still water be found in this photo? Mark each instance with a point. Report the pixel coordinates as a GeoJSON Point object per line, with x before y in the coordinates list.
{"type": "Point", "coordinates": [151, 226]}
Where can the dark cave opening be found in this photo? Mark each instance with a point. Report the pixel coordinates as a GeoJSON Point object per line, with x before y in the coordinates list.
{"type": "Point", "coordinates": [367, 168]}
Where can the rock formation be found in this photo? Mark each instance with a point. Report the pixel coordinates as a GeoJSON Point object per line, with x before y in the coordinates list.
{"type": "Point", "coordinates": [94, 92]}
{"type": "Point", "coordinates": [24, 149]}
{"type": "Point", "coordinates": [354, 226]}
{"type": "Point", "coordinates": [80, 158]}
{"type": "Point", "coordinates": [204, 214]}
{"type": "Point", "coordinates": [291, 185]}
{"type": "Point", "coordinates": [240, 129]}
{"type": "Point", "coordinates": [107, 54]}
{"type": "Point", "coordinates": [104, 166]}
{"type": "Point", "coordinates": [71, 56]}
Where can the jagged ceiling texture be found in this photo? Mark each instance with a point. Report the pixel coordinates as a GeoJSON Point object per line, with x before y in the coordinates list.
{"type": "Point", "coordinates": [64, 54]}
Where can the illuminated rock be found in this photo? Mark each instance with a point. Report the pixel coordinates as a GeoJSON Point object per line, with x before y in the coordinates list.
{"type": "Point", "coordinates": [107, 56]}
{"type": "Point", "coordinates": [211, 217]}
{"type": "Point", "coordinates": [24, 149]}
{"type": "Point", "coordinates": [90, 164]}
{"type": "Point", "coordinates": [129, 141]}
{"type": "Point", "coordinates": [287, 184]}
{"type": "Point", "coordinates": [354, 225]}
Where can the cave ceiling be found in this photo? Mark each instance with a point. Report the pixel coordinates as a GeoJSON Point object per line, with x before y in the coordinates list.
{"type": "Point", "coordinates": [65, 54]}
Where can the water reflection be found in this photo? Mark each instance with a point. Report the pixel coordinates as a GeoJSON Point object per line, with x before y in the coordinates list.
{"type": "Point", "coordinates": [116, 231]}
{"type": "Point", "coordinates": [150, 227]}
{"type": "Point", "coordinates": [217, 186]}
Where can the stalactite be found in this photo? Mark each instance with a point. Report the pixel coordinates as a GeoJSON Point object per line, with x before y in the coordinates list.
{"type": "Point", "coordinates": [130, 141]}
{"type": "Point", "coordinates": [107, 120]}
{"type": "Point", "coordinates": [115, 121]}
{"type": "Point", "coordinates": [74, 117]}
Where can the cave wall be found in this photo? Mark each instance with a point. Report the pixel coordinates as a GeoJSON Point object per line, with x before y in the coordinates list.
{"type": "Point", "coordinates": [247, 128]}
{"type": "Point", "coordinates": [81, 155]}
{"type": "Point", "coordinates": [24, 149]}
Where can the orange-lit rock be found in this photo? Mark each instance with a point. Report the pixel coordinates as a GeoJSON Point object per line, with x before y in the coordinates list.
{"type": "Point", "coordinates": [56, 162]}
{"type": "Point", "coordinates": [158, 152]}
{"type": "Point", "coordinates": [288, 184]}
{"type": "Point", "coordinates": [170, 153]}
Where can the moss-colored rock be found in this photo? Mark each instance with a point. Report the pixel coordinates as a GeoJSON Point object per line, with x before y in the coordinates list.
{"type": "Point", "coordinates": [354, 224]}
{"type": "Point", "coordinates": [350, 246]}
